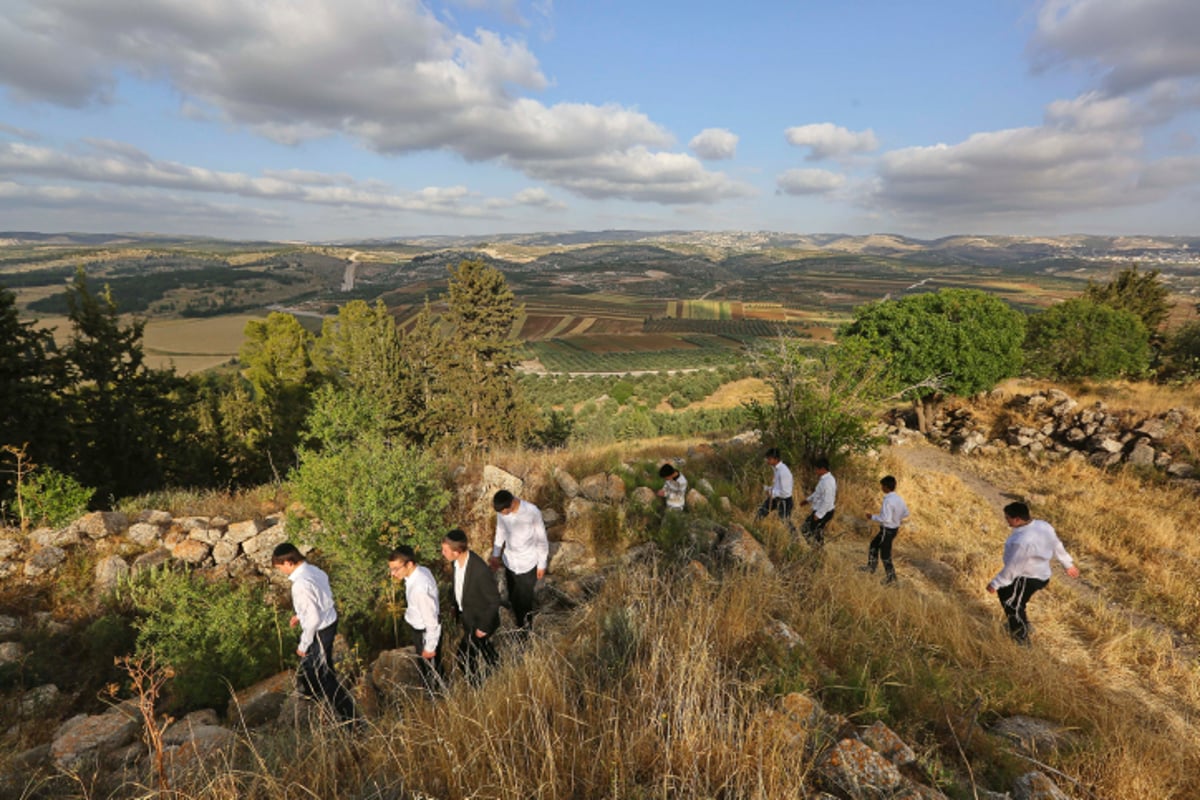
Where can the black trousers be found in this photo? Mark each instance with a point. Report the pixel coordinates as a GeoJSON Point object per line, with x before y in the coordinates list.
{"type": "Point", "coordinates": [476, 656]}
{"type": "Point", "coordinates": [1013, 599]}
{"type": "Point", "coordinates": [814, 526]}
{"type": "Point", "coordinates": [521, 593]}
{"type": "Point", "coordinates": [881, 547]}
{"type": "Point", "coordinates": [781, 506]}
{"type": "Point", "coordinates": [431, 668]}
{"type": "Point", "coordinates": [317, 678]}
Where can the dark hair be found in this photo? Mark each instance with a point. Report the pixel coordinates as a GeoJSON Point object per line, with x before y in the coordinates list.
{"type": "Point", "coordinates": [457, 539]}
{"type": "Point", "coordinates": [821, 463]}
{"type": "Point", "coordinates": [888, 483]}
{"type": "Point", "coordinates": [667, 470]}
{"type": "Point", "coordinates": [1017, 511]}
{"type": "Point", "coordinates": [286, 553]}
{"type": "Point", "coordinates": [502, 500]}
{"type": "Point", "coordinates": [404, 554]}
{"type": "Point", "coordinates": [773, 453]}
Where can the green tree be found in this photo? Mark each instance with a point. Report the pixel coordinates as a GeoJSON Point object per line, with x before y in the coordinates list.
{"type": "Point", "coordinates": [1141, 293]}
{"type": "Point", "coordinates": [124, 417]}
{"type": "Point", "coordinates": [1080, 338]}
{"type": "Point", "coordinates": [31, 376]}
{"type": "Point", "coordinates": [1183, 352]}
{"type": "Point", "coordinates": [958, 341]}
{"type": "Point", "coordinates": [276, 360]}
{"type": "Point", "coordinates": [368, 492]}
{"type": "Point", "coordinates": [479, 377]}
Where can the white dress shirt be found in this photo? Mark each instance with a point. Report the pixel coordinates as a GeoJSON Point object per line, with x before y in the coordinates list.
{"type": "Point", "coordinates": [312, 600]}
{"type": "Point", "coordinates": [675, 491]}
{"type": "Point", "coordinates": [892, 512]}
{"type": "Point", "coordinates": [781, 486]}
{"type": "Point", "coordinates": [824, 497]}
{"type": "Point", "coordinates": [1027, 553]}
{"type": "Point", "coordinates": [521, 537]}
{"type": "Point", "coordinates": [421, 597]}
{"type": "Point", "coordinates": [460, 575]}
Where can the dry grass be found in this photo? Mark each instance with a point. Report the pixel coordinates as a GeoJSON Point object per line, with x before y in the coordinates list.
{"type": "Point", "coordinates": [665, 684]}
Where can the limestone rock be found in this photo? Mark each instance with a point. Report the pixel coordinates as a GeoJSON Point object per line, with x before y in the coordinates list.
{"type": "Point", "coordinates": [155, 517]}
{"type": "Point", "coordinates": [695, 499]}
{"type": "Point", "coordinates": [261, 703]}
{"type": "Point", "coordinates": [191, 551]}
{"type": "Point", "coordinates": [566, 482]}
{"type": "Point", "coordinates": [44, 560]}
{"type": "Point", "coordinates": [883, 740]}
{"type": "Point", "coordinates": [11, 652]}
{"type": "Point", "coordinates": [578, 508]}
{"type": "Point", "coordinates": [151, 560]}
{"type": "Point", "coordinates": [9, 626]}
{"type": "Point", "coordinates": [144, 534]}
{"type": "Point", "coordinates": [738, 545]}
{"type": "Point", "coordinates": [1032, 736]}
{"type": "Point", "coordinates": [614, 489]}
{"type": "Point", "coordinates": [1142, 454]}
{"type": "Point", "coordinates": [643, 496]}
{"type": "Point", "coordinates": [102, 524]}
{"type": "Point", "coordinates": [239, 532]}
{"type": "Point", "coordinates": [550, 516]}
{"type": "Point", "coordinates": [259, 548]}
{"type": "Point", "coordinates": [51, 537]}
{"type": "Point", "coordinates": [568, 557]}
{"type": "Point", "coordinates": [110, 570]}
{"type": "Point", "coordinates": [9, 548]}
{"type": "Point", "coordinates": [781, 632]}
{"type": "Point", "coordinates": [209, 536]}
{"type": "Point", "coordinates": [1036, 786]}
{"type": "Point", "coordinates": [594, 487]}
{"type": "Point", "coordinates": [205, 743]}
{"type": "Point", "coordinates": [804, 709]}
{"type": "Point", "coordinates": [85, 737]}
{"type": "Point", "coordinates": [857, 770]}
{"type": "Point", "coordinates": [495, 479]}
{"type": "Point", "coordinates": [394, 671]}
{"type": "Point", "coordinates": [224, 551]}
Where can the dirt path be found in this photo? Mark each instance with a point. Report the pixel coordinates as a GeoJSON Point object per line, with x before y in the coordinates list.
{"type": "Point", "coordinates": [927, 458]}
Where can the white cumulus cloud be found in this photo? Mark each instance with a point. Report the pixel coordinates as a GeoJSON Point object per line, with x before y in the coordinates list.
{"type": "Point", "coordinates": [826, 140]}
{"type": "Point", "coordinates": [714, 144]}
{"type": "Point", "coordinates": [809, 181]}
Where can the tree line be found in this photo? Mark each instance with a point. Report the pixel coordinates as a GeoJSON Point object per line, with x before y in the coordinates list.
{"type": "Point", "coordinates": [93, 410]}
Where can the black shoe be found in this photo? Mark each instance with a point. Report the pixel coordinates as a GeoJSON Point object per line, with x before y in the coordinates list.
{"type": "Point", "coordinates": [869, 569]}
{"type": "Point", "coordinates": [890, 579]}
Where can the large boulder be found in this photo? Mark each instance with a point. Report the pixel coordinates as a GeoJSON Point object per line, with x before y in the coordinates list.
{"type": "Point", "coordinates": [259, 548]}
{"type": "Point", "coordinates": [394, 672]}
{"type": "Point", "coordinates": [595, 487]}
{"type": "Point", "coordinates": [739, 546]}
{"type": "Point", "coordinates": [854, 768]}
{"type": "Point", "coordinates": [191, 551]}
{"type": "Point", "coordinates": [643, 496]}
{"type": "Point", "coordinates": [152, 560]}
{"type": "Point", "coordinates": [883, 740]}
{"type": "Point", "coordinates": [566, 482]}
{"type": "Point", "coordinates": [9, 626]}
{"type": "Point", "coordinates": [1036, 786]}
{"type": "Point", "coordinates": [55, 537]}
{"type": "Point", "coordinates": [239, 532]}
{"type": "Point", "coordinates": [261, 703]}
{"type": "Point", "coordinates": [83, 738]}
{"type": "Point", "coordinates": [11, 652]}
{"type": "Point", "coordinates": [144, 534]}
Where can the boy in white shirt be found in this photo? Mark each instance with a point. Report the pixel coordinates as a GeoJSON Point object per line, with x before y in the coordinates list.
{"type": "Point", "coordinates": [823, 501]}
{"type": "Point", "coordinates": [892, 512]}
{"type": "Point", "coordinates": [674, 487]}
{"type": "Point", "coordinates": [422, 612]}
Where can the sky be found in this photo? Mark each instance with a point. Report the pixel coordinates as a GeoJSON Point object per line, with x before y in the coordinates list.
{"type": "Point", "coordinates": [326, 120]}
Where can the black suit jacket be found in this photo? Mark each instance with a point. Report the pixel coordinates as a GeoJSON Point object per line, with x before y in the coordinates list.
{"type": "Point", "coordinates": [480, 609]}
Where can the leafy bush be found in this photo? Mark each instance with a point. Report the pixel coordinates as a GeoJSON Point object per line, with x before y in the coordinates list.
{"type": "Point", "coordinates": [369, 495]}
{"type": "Point", "coordinates": [1083, 339]}
{"type": "Point", "coordinates": [214, 635]}
{"type": "Point", "coordinates": [1183, 353]}
{"type": "Point", "coordinates": [54, 498]}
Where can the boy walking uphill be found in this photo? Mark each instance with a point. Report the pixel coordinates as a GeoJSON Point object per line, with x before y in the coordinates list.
{"type": "Point", "coordinates": [823, 501]}
{"type": "Point", "coordinates": [521, 539]}
{"type": "Point", "coordinates": [674, 487]}
{"type": "Point", "coordinates": [477, 601]}
{"type": "Point", "coordinates": [421, 612]}
{"type": "Point", "coordinates": [1027, 554]}
{"type": "Point", "coordinates": [891, 514]}
{"type": "Point", "coordinates": [312, 601]}
{"type": "Point", "coordinates": [779, 493]}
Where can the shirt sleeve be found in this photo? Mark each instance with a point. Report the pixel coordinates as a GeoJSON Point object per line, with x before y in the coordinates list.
{"type": "Point", "coordinates": [501, 536]}
{"type": "Point", "coordinates": [304, 602]}
{"type": "Point", "coordinates": [426, 606]}
{"type": "Point", "coordinates": [1060, 552]}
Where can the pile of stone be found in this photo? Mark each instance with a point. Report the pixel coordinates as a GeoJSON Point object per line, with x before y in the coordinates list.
{"type": "Point", "coordinates": [1056, 427]}
{"type": "Point", "coordinates": [148, 540]}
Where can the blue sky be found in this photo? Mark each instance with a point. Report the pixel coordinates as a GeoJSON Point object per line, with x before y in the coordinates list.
{"type": "Point", "coordinates": [331, 119]}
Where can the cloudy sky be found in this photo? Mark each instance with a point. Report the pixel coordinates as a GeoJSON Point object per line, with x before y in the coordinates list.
{"type": "Point", "coordinates": [327, 119]}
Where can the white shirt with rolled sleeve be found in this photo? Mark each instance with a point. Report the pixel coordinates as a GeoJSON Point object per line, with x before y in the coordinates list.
{"type": "Point", "coordinates": [1027, 553]}
{"type": "Point", "coordinates": [312, 600]}
{"type": "Point", "coordinates": [781, 486]}
{"type": "Point", "coordinates": [892, 512]}
{"type": "Point", "coordinates": [675, 492]}
{"type": "Point", "coordinates": [824, 497]}
{"type": "Point", "coordinates": [422, 612]}
{"type": "Point", "coordinates": [521, 538]}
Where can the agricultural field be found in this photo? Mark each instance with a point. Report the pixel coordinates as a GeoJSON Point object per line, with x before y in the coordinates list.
{"type": "Point", "coordinates": [611, 302]}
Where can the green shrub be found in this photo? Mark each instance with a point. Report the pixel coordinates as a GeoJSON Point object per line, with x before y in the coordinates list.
{"type": "Point", "coordinates": [54, 498]}
{"type": "Point", "coordinates": [215, 635]}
